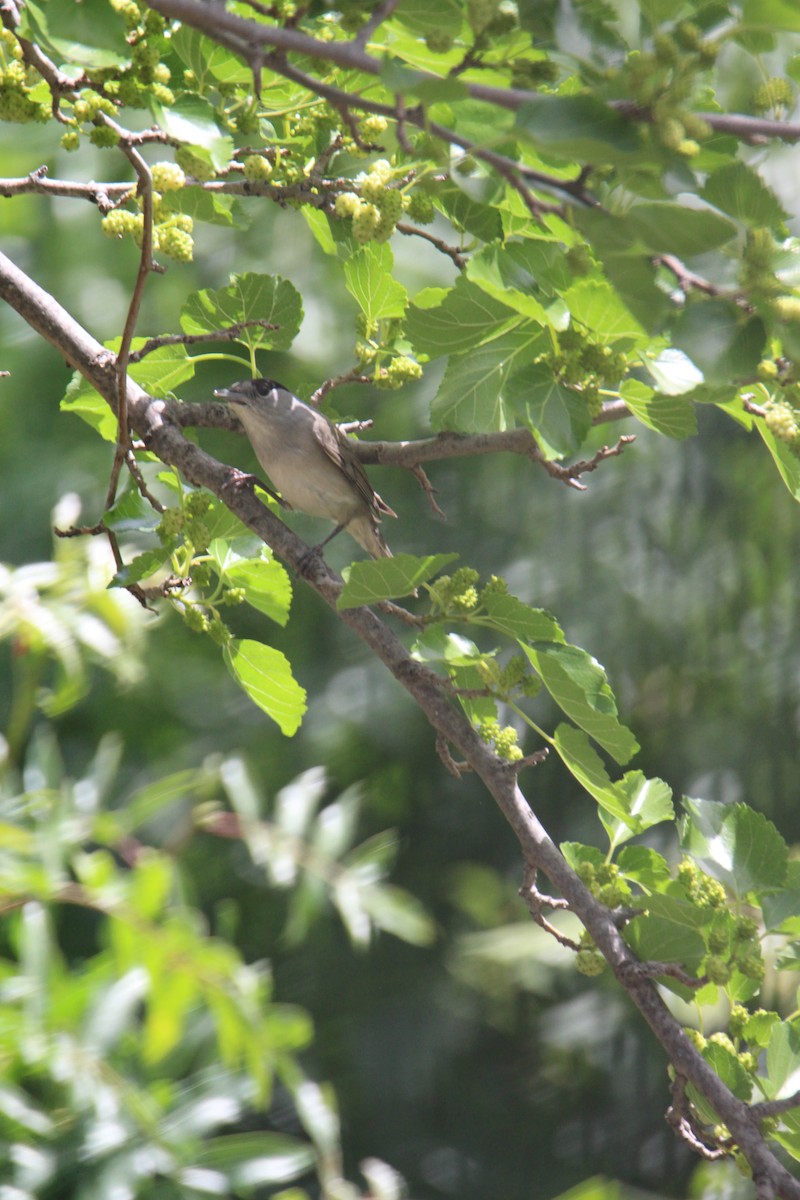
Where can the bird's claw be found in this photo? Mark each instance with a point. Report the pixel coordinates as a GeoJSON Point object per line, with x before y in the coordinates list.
{"type": "Point", "coordinates": [238, 481]}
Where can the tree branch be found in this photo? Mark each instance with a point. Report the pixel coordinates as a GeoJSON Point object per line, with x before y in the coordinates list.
{"type": "Point", "coordinates": [248, 39]}
{"type": "Point", "coordinates": [152, 420]}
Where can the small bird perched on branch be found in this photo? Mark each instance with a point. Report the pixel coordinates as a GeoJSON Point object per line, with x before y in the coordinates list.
{"type": "Point", "coordinates": [310, 461]}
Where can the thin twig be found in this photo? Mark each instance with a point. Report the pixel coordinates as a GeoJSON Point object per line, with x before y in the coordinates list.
{"type": "Point", "coordinates": [381, 14]}
{"type": "Point", "coordinates": [354, 375]}
{"type": "Point", "coordinates": [193, 339]}
{"type": "Point", "coordinates": [569, 475]}
{"type": "Point", "coordinates": [451, 251]}
{"type": "Point", "coordinates": [429, 490]}
{"type": "Point", "coordinates": [535, 902]}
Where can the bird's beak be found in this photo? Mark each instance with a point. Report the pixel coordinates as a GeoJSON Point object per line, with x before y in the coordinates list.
{"type": "Point", "coordinates": [221, 393]}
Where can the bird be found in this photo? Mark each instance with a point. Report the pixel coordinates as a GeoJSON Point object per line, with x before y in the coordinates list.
{"type": "Point", "coordinates": [310, 461]}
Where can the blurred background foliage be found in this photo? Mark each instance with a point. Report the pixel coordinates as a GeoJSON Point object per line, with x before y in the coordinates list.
{"type": "Point", "coordinates": [466, 1052]}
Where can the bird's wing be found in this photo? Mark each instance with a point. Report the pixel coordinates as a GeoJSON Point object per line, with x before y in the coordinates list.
{"type": "Point", "coordinates": [335, 445]}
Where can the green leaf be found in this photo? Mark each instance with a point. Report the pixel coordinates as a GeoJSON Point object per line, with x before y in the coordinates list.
{"type": "Point", "coordinates": [673, 373]}
{"type": "Point", "coordinates": [131, 511]}
{"type": "Point", "coordinates": [772, 14]}
{"type": "Point", "coordinates": [320, 227]}
{"type": "Point", "coordinates": [398, 912]}
{"type": "Point", "coordinates": [481, 220]}
{"type": "Point", "coordinates": [734, 844]}
{"type": "Point", "coordinates": [739, 190]}
{"type": "Point", "coordinates": [193, 120]}
{"type": "Point", "coordinates": [783, 1058]}
{"type": "Point", "coordinates": [596, 305]}
{"type": "Point", "coordinates": [141, 567]}
{"type": "Point", "coordinates": [249, 297]}
{"type": "Point", "coordinates": [214, 208]}
{"type": "Point", "coordinates": [578, 127]}
{"type": "Point", "coordinates": [719, 340]}
{"type": "Point", "coordinates": [389, 578]}
{"type": "Point", "coordinates": [501, 274]}
{"type": "Point", "coordinates": [583, 761]}
{"type": "Point", "coordinates": [210, 62]}
{"type": "Point", "coordinates": [368, 276]}
{"type": "Point", "coordinates": [438, 644]}
{"type": "Point", "coordinates": [781, 909]}
{"type": "Point", "coordinates": [556, 415]}
{"type": "Point", "coordinates": [266, 583]}
{"type": "Point", "coordinates": [160, 372]}
{"type": "Point", "coordinates": [669, 932]}
{"type": "Point", "coordinates": [513, 618]}
{"type": "Point", "coordinates": [786, 460]}
{"type": "Point", "coordinates": [468, 317]}
{"type": "Point", "coordinates": [759, 1026]}
{"type": "Point", "coordinates": [628, 807]}
{"type": "Point", "coordinates": [421, 17]}
{"type": "Point", "coordinates": [81, 399]}
{"type": "Point", "coordinates": [471, 396]}
{"type": "Point", "coordinates": [88, 34]}
{"type": "Point", "coordinates": [670, 415]}
{"type": "Point", "coordinates": [223, 524]}
{"type": "Point", "coordinates": [150, 801]}
{"type": "Point", "coordinates": [647, 802]}
{"type": "Point", "coordinates": [666, 228]}
{"type": "Point", "coordinates": [429, 88]}
{"type": "Point", "coordinates": [730, 1070]}
{"type": "Point", "coordinates": [576, 853]}
{"type": "Point", "coordinates": [265, 674]}
{"type": "Point", "coordinates": [250, 1160]}
{"type": "Point", "coordinates": [578, 684]}
{"type": "Point", "coordinates": [644, 866]}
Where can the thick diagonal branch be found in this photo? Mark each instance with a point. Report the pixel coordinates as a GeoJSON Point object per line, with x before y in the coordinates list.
{"type": "Point", "coordinates": [150, 418]}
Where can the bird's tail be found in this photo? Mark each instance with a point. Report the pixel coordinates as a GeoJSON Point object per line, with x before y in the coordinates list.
{"type": "Point", "coordinates": [367, 533]}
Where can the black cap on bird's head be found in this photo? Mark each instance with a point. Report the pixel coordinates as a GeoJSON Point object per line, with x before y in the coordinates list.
{"type": "Point", "coordinates": [248, 389]}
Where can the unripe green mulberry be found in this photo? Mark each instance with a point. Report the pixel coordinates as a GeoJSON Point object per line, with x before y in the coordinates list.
{"type": "Point", "coordinates": [695, 126]}
{"type": "Point", "coordinates": [373, 126]}
{"type": "Point", "coordinates": [257, 168]}
{"type": "Point", "coordinates": [197, 503]}
{"type": "Point", "coordinates": [590, 962]}
{"type": "Point", "coordinates": [176, 243]}
{"type": "Point", "coordinates": [718, 970]}
{"type": "Point", "coordinates": [347, 204]}
{"type": "Point", "coordinates": [688, 35]}
{"type": "Point", "coordinates": [365, 222]}
{"type": "Point", "coordinates": [167, 177]}
{"type": "Point", "coordinates": [774, 93]}
{"type": "Point", "coordinates": [103, 137]}
{"type": "Point", "coordinates": [780, 421]}
{"type": "Point", "coordinates": [162, 94]}
{"type": "Point", "coordinates": [480, 14]}
{"type": "Point", "coordinates": [219, 632]}
{"type": "Point", "coordinates": [196, 620]}
{"type": "Point", "coordinates": [438, 41]}
{"type": "Point", "coordinates": [666, 49]}
{"type": "Point", "coordinates": [171, 524]}
{"type": "Point", "coordinates": [372, 189]}
{"type": "Point", "coordinates": [404, 368]}
{"type": "Point", "coordinates": [116, 223]}
{"type": "Point", "coordinates": [420, 208]}
{"type": "Point", "coordinates": [670, 132]}
{"type": "Point", "coordinates": [70, 140]}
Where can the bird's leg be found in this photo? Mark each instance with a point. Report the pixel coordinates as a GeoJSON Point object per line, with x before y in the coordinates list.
{"type": "Point", "coordinates": [313, 551]}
